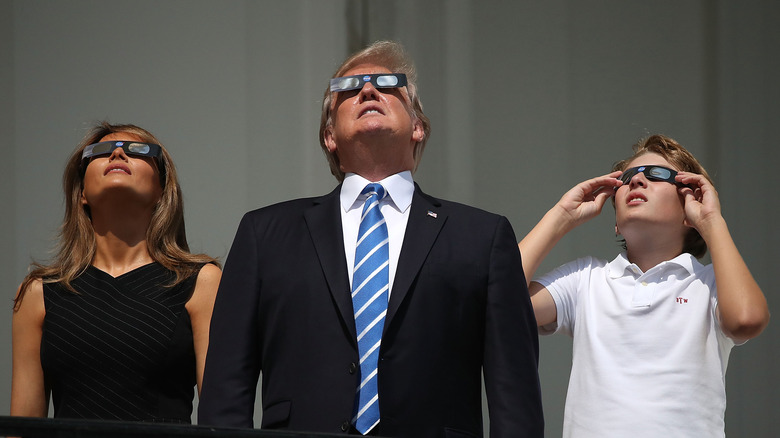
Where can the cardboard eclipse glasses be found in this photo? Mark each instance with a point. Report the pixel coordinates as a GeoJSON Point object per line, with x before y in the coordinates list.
{"type": "Point", "coordinates": [653, 173]}
{"type": "Point", "coordinates": [379, 80]}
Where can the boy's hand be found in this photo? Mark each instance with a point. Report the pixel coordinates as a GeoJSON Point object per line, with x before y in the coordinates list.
{"type": "Point", "coordinates": [585, 200]}
{"type": "Point", "coordinates": [702, 205]}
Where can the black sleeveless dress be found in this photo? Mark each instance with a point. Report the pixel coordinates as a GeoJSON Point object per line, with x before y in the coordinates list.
{"type": "Point", "coordinates": [120, 349]}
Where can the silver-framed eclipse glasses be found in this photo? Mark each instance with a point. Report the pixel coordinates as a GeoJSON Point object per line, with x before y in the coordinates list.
{"type": "Point", "coordinates": [378, 80]}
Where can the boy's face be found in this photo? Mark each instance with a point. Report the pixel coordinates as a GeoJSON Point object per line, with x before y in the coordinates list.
{"type": "Point", "coordinates": [646, 208]}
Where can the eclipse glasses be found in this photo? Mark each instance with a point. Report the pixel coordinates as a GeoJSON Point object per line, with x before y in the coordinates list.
{"type": "Point", "coordinates": [653, 173]}
{"type": "Point", "coordinates": [379, 80]}
{"type": "Point", "coordinates": [130, 147]}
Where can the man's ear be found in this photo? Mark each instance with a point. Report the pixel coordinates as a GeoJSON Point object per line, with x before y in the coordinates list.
{"type": "Point", "coordinates": [418, 134]}
{"type": "Point", "coordinates": [330, 142]}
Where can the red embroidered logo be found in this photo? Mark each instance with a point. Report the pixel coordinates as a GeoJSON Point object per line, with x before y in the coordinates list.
{"type": "Point", "coordinates": [681, 300]}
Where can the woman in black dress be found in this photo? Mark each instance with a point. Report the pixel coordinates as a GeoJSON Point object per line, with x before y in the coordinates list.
{"type": "Point", "coordinates": [116, 327]}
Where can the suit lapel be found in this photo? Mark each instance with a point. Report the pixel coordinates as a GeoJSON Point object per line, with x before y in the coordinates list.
{"type": "Point", "coordinates": [324, 222]}
{"type": "Point", "coordinates": [426, 219]}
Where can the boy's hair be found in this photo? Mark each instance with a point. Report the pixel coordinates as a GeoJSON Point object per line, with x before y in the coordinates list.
{"type": "Point", "coordinates": [681, 159]}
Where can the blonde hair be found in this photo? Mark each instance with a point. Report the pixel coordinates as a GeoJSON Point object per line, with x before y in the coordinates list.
{"type": "Point", "coordinates": [166, 237]}
{"type": "Point", "coordinates": [392, 56]}
{"type": "Point", "coordinates": [681, 159]}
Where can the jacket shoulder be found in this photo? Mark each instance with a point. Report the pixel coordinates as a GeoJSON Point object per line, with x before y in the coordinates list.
{"type": "Point", "coordinates": [292, 207]}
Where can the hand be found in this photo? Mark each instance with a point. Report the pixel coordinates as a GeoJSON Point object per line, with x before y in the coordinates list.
{"type": "Point", "coordinates": [585, 200]}
{"type": "Point", "coordinates": [702, 205]}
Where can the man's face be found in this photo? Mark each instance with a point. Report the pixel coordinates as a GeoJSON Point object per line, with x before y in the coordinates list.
{"type": "Point", "coordinates": [368, 119]}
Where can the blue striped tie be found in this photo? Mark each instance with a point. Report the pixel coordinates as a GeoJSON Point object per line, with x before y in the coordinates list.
{"type": "Point", "coordinates": [370, 284]}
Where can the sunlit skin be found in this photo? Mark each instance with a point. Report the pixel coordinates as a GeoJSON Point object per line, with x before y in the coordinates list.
{"type": "Point", "coordinates": [121, 192]}
{"type": "Point", "coordinates": [374, 130]}
{"type": "Point", "coordinates": [650, 215]}
{"type": "Point", "coordinates": [137, 176]}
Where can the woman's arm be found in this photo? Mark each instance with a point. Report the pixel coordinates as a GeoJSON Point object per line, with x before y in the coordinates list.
{"type": "Point", "coordinates": [200, 306]}
{"type": "Point", "coordinates": [29, 397]}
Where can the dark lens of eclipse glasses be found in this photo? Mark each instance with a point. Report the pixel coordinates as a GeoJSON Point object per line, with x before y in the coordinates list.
{"type": "Point", "coordinates": [654, 173]}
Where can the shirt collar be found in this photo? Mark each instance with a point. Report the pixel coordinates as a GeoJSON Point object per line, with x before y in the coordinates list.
{"type": "Point", "coordinates": [620, 265]}
{"type": "Point", "coordinates": [400, 188]}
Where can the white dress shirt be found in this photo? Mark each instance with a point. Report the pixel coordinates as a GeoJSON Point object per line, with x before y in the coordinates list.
{"type": "Point", "coordinates": [394, 207]}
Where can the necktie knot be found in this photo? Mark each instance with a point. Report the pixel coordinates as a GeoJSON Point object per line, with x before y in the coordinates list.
{"type": "Point", "coordinates": [374, 189]}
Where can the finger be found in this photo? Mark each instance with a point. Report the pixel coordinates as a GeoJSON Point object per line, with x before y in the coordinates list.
{"type": "Point", "coordinates": [693, 179]}
{"type": "Point", "coordinates": [698, 194]}
{"type": "Point", "coordinates": [602, 197]}
{"type": "Point", "coordinates": [685, 190]}
{"type": "Point", "coordinates": [600, 183]}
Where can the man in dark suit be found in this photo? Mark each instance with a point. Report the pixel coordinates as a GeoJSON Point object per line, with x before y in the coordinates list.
{"type": "Point", "coordinates": [374, 309]}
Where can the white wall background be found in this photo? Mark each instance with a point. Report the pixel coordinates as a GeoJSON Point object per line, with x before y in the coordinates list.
{"type": "Point", "coordinates": [526, 99]}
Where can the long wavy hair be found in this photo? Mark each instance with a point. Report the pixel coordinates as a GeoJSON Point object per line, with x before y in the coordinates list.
{"type": "Point", "coordinates": [681, 159]}
{"type": "Point", "coordinates": [166, 238]}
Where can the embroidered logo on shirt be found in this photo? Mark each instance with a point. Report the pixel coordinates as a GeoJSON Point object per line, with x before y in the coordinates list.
{"type": "Point", "coordinates": [681, 300]}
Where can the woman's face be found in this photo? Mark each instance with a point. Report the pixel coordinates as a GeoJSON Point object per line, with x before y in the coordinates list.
{"type": "Point", "coordinates": [119, 175]}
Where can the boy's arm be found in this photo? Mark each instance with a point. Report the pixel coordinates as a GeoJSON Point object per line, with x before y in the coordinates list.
{"type": "Point", "coordinates": [580, 204]}
{"type": "Point", "coordinates": [742, 307]}
{"type": "Point", "coordinates": [543, 304]}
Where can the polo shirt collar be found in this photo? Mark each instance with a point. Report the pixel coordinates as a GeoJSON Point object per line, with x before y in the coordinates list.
{"type": "Point", "coordinates": [620, 266]}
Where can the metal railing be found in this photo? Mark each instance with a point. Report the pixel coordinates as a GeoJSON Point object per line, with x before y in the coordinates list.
{"type": "Point", "coordinates": [70, 428]}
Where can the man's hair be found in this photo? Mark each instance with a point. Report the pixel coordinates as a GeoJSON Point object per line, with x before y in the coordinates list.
{"type": "Point", "coordinates": [392, 56]}
{"type": "Point", "coordinates": [166, 238]}
{"type": "Point", "coordinates": [682, 160]}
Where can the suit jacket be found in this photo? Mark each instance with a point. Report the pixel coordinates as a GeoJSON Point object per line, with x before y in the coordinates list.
{"type": "Point", "coordinates": [459, 304]}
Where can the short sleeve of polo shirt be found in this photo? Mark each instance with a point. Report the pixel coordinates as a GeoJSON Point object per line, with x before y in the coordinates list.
{"type": "Point", "coordinates": [566, 285]}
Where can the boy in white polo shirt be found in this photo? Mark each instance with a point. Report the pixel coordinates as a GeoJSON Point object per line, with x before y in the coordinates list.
{"type": "Point", "coordinates": [653, 328]}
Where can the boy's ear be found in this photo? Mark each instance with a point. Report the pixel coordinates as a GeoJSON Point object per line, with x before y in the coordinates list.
{"type": "Point", "coordinates": [617, 231]}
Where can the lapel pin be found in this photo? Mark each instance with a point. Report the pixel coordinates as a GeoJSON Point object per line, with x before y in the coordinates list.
{"type": "Point", "coordinates": [432, 214]}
